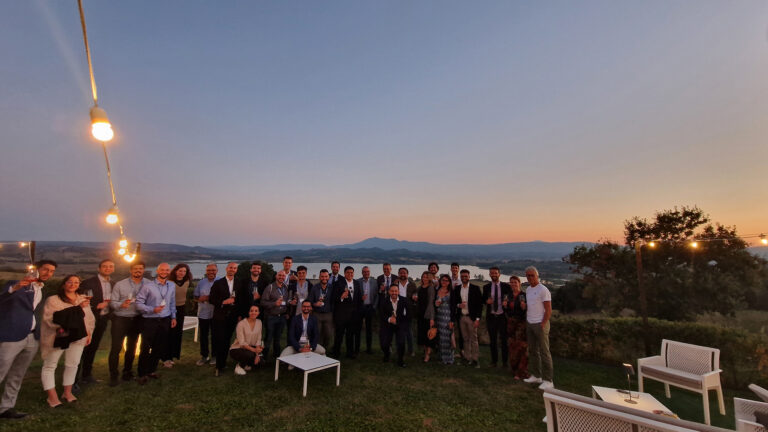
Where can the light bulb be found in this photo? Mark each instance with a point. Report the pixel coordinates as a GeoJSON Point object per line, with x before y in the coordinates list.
{"type": "Point", "coordinates": [764, 241]}
{"type": "Point", "coordinates": [101, 129]}
{"type": "Point", "coordinates": [22, 244]}
{"type": "Point", "coordinates": [694, 245]}
{"type": "Point", "coordinates": [129, 257]}
{"type": "Point", "coordinates": [123, 243]}
{"type": "Point", "coordinates": [112, 217]}
{"type": "Point", "coordinates": [121, 251]}
{"type": "Point", "coordinates": [652, 244]}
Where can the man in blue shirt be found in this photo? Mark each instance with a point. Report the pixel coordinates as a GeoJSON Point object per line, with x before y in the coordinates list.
{"type": "Point", "coordinates": [205, 312]}
{"type": "Point", "coordinates": [20, 315]}
{"type": "Point", "coordinates": [125, 322]}
{"type": "Point", "coordinates": [155, 301]}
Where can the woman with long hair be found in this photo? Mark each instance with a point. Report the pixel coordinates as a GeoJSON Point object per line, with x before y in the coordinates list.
{"type": "Point", "coordinates": [425, 315]}
{"type": "Point", "coordinates": [516, 327]}
{"type": "Point", "coordinates": [443, 311]}
{"type": "Point", "coordinates": [66, 329]}
{"type": "Point", "coordinates": [181, 276]}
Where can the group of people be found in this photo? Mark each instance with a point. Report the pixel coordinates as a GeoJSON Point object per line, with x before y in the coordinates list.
{"type": "Point", "coordinates": [444, 310]}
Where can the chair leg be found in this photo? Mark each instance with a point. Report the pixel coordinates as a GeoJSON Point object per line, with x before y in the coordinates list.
{"type": "Point", "coordinates": [666, 390]}
{"type": "Point", "coordinates": [705, 397]}
{"type": "Point", "coordinates": [720, 400]}
{"type": "Point", "coordinates": [640, 383]}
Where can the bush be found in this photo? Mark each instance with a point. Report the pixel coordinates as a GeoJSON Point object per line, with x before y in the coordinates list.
{"type": "Point", "coordinates": [743, 355]}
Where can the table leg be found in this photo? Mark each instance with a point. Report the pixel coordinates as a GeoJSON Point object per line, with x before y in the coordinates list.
{"type": "Point", "coordinates": [277, 367]}
{"type": "Point", "coordinates": [196, 328]}
{"type": "Point", "coordinates": [338, 373]}
{"type": "Point", "coordinates": [304, 391]}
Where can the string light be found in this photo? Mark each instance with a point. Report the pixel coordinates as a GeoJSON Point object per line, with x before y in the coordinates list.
{"type": "Point", "coordinates": [652, 244]}
{"type": "Point", "coordinates": [101, 129]}
{"type": "Point", "coordinates": [22, 244]}
{"type": "Point", "coordinates": [763, 240]}
{"type": "Point", "coordinates": [694, 244]}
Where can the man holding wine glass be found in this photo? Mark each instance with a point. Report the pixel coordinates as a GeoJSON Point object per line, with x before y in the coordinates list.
{"type": "Point", "coordinates": [97, 289]}
{"type": "Point", "coordinates": [320, 296]}
{"type": "Point", "coordinates": [155, 301]}
{"type": "Point", "coordinates": [303, 333]}
{"type": "Point", "coordinates": [20, 316]}
{"type": "Point", "coordinates": [125, 322]}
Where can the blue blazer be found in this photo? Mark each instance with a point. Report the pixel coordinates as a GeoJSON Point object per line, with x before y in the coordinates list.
{"type": "Point", "coordinates": [296, 327]}
{"type": "Point", "coordinates": [16, 314]}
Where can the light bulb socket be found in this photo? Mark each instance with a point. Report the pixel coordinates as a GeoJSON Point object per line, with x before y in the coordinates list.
{"type": "Point", "coordinates": [98, 115]}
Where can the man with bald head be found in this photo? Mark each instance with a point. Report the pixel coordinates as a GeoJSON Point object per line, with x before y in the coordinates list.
{"type": "Point", "coordinates": [156, 302]}
{"type": "Point", "coordinates": [275, 304]}
{"type": "Point", "coordinates": [222, 298]}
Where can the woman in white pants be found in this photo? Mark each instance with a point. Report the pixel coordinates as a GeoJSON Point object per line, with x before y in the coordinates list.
{"type": "Point", "coordinates": [67, 297]}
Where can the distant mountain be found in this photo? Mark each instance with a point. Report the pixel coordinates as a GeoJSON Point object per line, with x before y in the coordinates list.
{"type": "Point", "coordinates": [276, 247]}
{"type": "Point", "coordinates": [521, 250]}
{"type": "Point", "coordinates": [761, 251]}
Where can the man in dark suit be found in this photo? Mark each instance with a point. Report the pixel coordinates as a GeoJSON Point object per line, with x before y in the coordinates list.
{"type": "Point", "coordinates": [468, 311]}
{"type": "Point", "coordinates": [348, 300]}
{"type": "Point", "coordinates": [370, 305]}
{"type": "Point", "coordinates": [408, 289]}
{"type": "Point", "coordinates": [387, 279]}
{"type": "Point", "coordinates": [99, 288]}
{"type": "Point", "coordinates": [397, 322]}
{"type": "Point", "coordinates": [249, 291]}
{"type": "Point", "coordinates": [224, 321]}
{"type": "Point", "coordinates": [21, 310]}
{"type": "Point", "coordinates": [494, 294]}
{"type": "Point", "coordinates": [304, 332]}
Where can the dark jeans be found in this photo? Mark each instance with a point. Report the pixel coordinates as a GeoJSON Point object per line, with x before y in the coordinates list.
{"type": "Point", "coordinates": [204, 326]}
{"type": "Point", "coordinates": [222, 330]}
{"type": "Point", "coordinates": [89, 353]}
{"type": "Point", "coordinates": [345, 327]}
{"type": "Point", "coordinates": [154, 338]}
{"type": "Point", "coordinates": [367, 318]}
{"type": "Point", "coordinates": [275, 326]}
{"type": "Point", "coordinates": [174, 338]}
{"type": "Point", "coordinates": [244, 357]}
{"type": "Point", "coordinates": [123, 328]}
{"type": "Point", "coordinates": [387, 331]}
{"type": "Point", "coordinates": [497, 330]}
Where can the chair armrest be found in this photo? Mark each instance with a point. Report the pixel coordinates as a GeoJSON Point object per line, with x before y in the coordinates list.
{"type": "Point", "coordinates": [759, 391]}
{"type": "Point", "coordinates": [714, 372]}
{"type": "Point", "coordinates": [654, 360]}
{"type": "Point", "coordinates": [744, 409]}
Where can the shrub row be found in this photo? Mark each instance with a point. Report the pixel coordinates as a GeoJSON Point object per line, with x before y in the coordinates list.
{"type": "Point", "coordinates": [743, 355]}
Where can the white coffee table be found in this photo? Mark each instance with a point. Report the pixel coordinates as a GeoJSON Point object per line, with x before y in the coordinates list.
{"type": "Point", "coordinates": [309, 362]}
{"type": "Point", "coordinates": [645, 401]}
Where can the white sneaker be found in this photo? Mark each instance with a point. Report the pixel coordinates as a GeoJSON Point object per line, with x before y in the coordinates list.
{"type": "Point", "coordinates": [545, 385]}
{"type": "Point", "coordinates": [203, 361]}
{"type": "Point", "coordinates": [532, 380]}
{"type": "Point", "coordinates": [239, 370]}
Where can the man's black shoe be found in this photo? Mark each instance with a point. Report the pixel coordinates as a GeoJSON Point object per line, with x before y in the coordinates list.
{"type": "Point", "coordinates": [12, 414]}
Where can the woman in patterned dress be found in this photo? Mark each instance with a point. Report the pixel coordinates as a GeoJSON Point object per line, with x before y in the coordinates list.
{"type": "Point", "coordinates": [444, 319]}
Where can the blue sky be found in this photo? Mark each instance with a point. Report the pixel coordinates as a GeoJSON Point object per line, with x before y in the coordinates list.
{"type": "Point", "coordinates": [262, 122]}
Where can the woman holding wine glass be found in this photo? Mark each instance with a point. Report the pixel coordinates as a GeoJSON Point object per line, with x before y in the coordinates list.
{"type": "Point", "coordinates": [425, 315]}
{"type": "Point", "coordinates": [66, 329]}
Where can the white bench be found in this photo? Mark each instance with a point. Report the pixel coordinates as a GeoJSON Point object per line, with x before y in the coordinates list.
{"type": "Point", "coordinates": [568, 412]}
{"type": "Point", "coordinates": [691, 367]}
{"type": "Point", "coordinates": [744, 414]}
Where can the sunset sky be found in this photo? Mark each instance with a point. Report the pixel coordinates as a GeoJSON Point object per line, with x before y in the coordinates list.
{"type": "Point", "coordinates": [245, 122]}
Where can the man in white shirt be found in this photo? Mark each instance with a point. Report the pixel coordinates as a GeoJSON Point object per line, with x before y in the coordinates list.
{"type": "Point", "coordinates": [99, 288]}
{"type": "Point", "coordinates": [539, 310]}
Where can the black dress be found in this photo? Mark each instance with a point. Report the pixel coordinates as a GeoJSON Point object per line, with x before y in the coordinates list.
{"type": "Point", "coordinates": [426, 297]}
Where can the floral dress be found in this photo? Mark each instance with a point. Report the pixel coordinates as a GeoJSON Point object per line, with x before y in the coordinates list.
{"type": "Point", "coordinates": [443, 319]}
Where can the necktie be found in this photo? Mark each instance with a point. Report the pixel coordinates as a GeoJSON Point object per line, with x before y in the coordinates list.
{"type": "Point", "coordinates": [496, 296]}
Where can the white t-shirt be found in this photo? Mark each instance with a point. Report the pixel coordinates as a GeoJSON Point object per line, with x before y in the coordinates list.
{"type": "Point", "coordinates": [534, 299]}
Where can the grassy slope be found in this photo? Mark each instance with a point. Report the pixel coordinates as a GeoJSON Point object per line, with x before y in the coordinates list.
{"type": "Point", "coordinates": [372, 396]}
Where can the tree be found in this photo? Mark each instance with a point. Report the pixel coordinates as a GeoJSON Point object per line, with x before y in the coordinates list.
{"type": "Point", "coordinates": [680, 281]}
{"type": "Point", "coordinates": [244, 271]}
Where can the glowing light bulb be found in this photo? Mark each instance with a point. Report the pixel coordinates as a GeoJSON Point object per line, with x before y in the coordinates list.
{"type": "Point", "coordinates": [22, 244]}
{"type": "Point", "coordinates": [123, 243]}
{"type": "Point", "coordinates": [763, 240]}
{"type": "Point", "coordinates": [112, 217]}
{"type": "Point", "coordinates": [121, 251]}
{"type": "Point", "coordinates": [129, 257]}
{"type": "Point", "coordinates": [652, 244]}
{"type": "Point", "coordinates": [101, 128]}
{"type": "Point", "coordinates": [694, 244]}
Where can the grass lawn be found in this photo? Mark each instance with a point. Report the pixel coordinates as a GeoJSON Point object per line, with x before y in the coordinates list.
{"type": "Point", "coordinates": [373, 396]}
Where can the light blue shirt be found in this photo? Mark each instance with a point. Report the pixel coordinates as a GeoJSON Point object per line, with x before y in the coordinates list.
{"type": "Point", "coordinates": [203, 288]}
{"type": "Point", "coordinates": [152, 294]}
{"type": "Point", "coordinates": [122, 291]}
